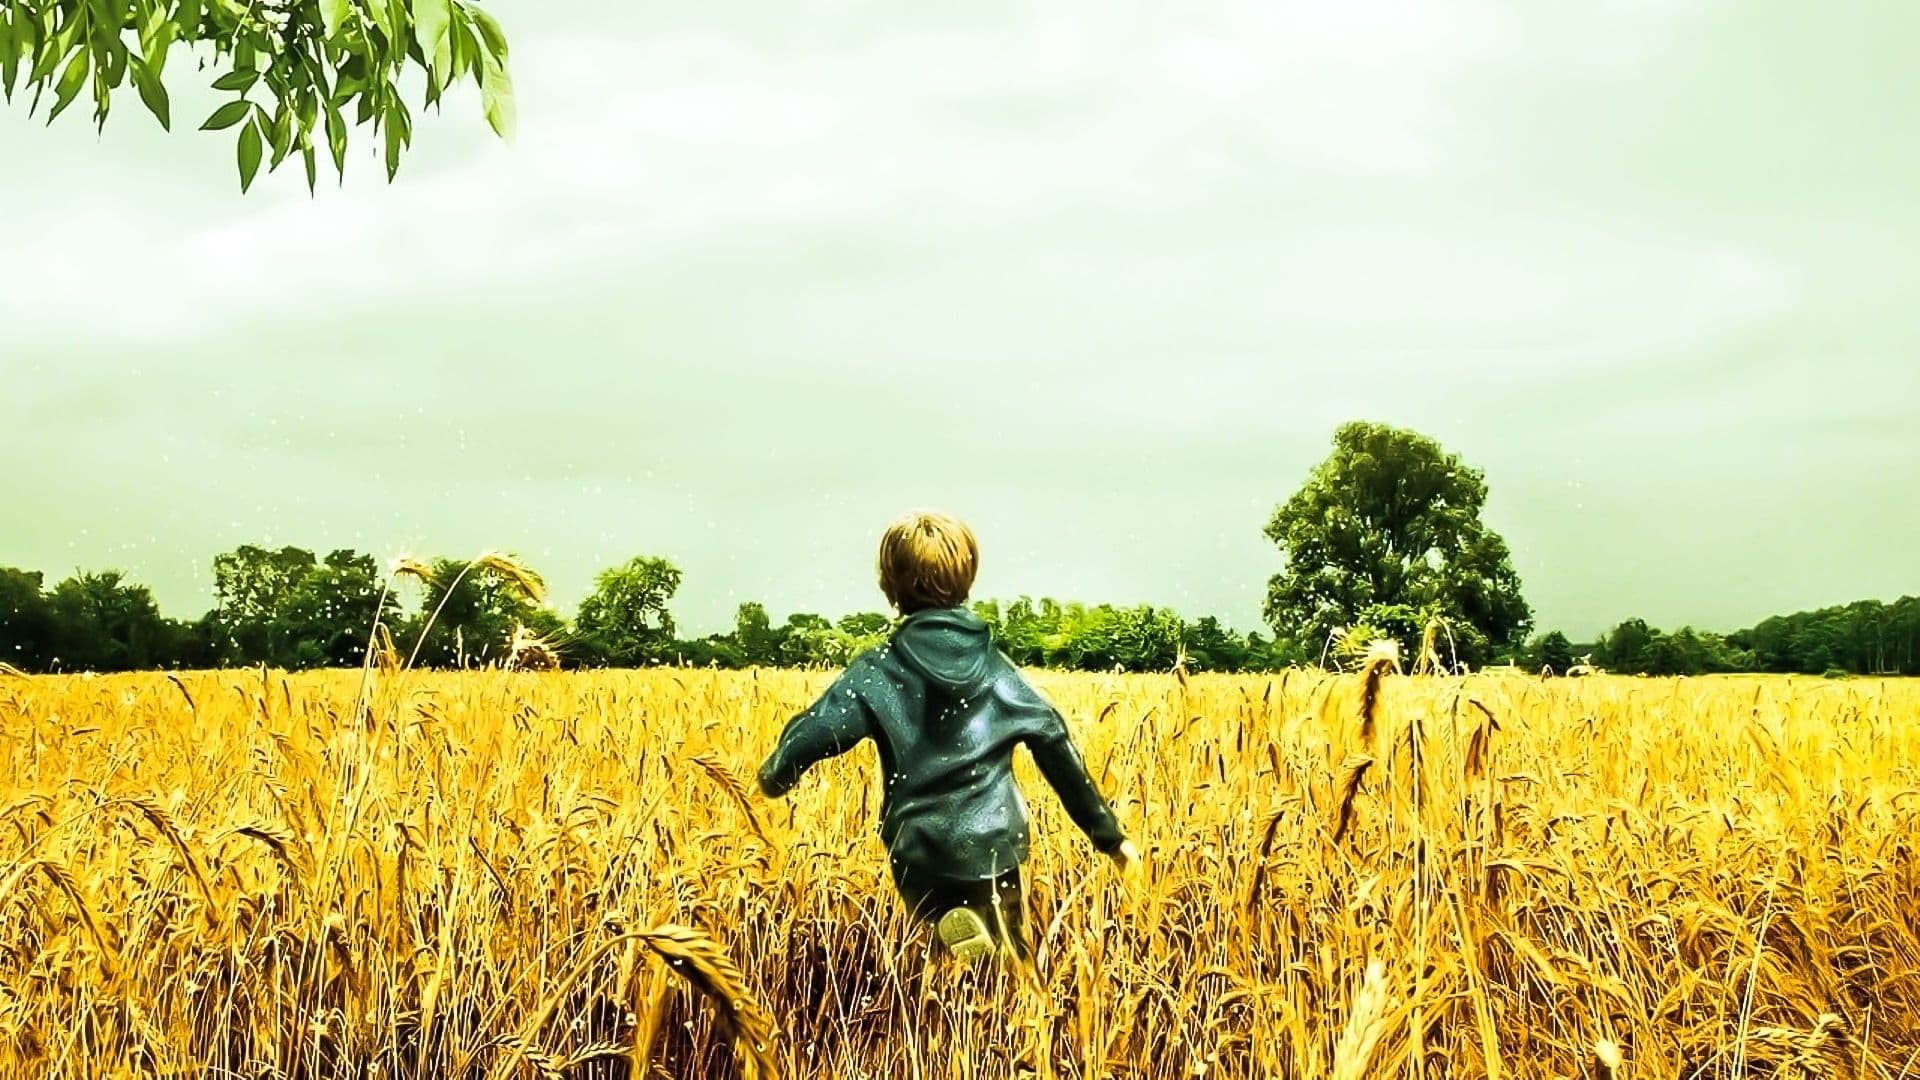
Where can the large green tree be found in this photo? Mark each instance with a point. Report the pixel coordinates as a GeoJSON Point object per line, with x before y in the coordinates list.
{"type": "Point", "coordinates": [302, 73]}
{"type": "Point", "coordinates": [252, 585]}
{"type": "Point", "coordinates": [283, 608]}
{"type": "Point", "coordinates": [327, 619]}
{"type": "Point", "coordinates": [1387, 533]}
{"type": "Point", "coordinates": [625, 621]}
{"type": "Point", "coordinates": [754, 635]}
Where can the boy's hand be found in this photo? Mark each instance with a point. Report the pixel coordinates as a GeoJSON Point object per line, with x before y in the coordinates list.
{"type": "Point", "coordinates": [1126, 857]}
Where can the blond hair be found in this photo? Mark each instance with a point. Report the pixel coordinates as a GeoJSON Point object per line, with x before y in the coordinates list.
{"type": "Point", "coordinates": [927, 559]}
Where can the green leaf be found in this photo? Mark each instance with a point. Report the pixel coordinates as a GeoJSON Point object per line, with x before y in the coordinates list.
{"type": "Point", "coordinates": [249, 154]}
{"type": "Point", "coordinates": [465, 45]}
{"type": "Point", "coordinates": [10, 50]}
{"type": "Point", "coordinates": [307, 107]}
{"type": "Point", "coordinates": [280, 135]}
{"type": "Point", "coordinates": [117, 58]}
{"type": "Point", "coordinates": [337, 139]}
{"type": "Point", "coordinates": [490, 32]}
{"type": "Point", "coordinates": [26, 35]}
{"type": "Point", "coordinates": [188, 18]}
{"type": "Point", "coordinates": [156, 44]}
{"type": "Point", "coordinates": [241, 81]}
{"type": "Point", "coordinates": [150, 21]}
{"type": "Point", "coordinates": [101, 92]}
{"type": "Point", "coordinates": [382, 19]}
{"type": "Point", "coordinates": [56, 48]}
{"type": "Point", "coordinates": [394, 146]}
{"type": "Point", "coordinates": [313, 168]}
{"type": "Point", "coordinates": [70, 82]}
{"type": "Point", "coordinates": [153, 93]}
{"type": "Point", "coordinates": [496, 97]}
{"type": "Point", "coordinates": [431, 21]}
{"type": "Point", "coordinates": [312, 79]}
{"type": "Point", "coordinates": [228, 115]}
{"type": "Point", "coordinates": [333, 15]}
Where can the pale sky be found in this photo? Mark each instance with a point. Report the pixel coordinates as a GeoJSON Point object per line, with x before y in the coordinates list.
{"type": "Point", "coordinates": [1100, 277]}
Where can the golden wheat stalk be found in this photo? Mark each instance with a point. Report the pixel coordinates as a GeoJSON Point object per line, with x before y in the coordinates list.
{"type": "Point", "coordinates": [174, 678]}
{"type": "Point", "coordinates": [1269, 831]}
{"type": "Point", "coordinates": [1352, 772]}
{"type": "Point", "coordinates": [735, 789]}
{"type": "Point", "coordinates": [546, 1066]}
{"type": "Point", "coordinates": [62, 878]}
{"type": "Point", "coordinates": [695, 958]}
{"type": "Point", "coordinates": [512, 569]}
{"type": "Point", "coordinates": [277, 838]}
{"type": "Point", "coordinates": [1366, 1026]}
{"type": "Point", "coordinates": [163, 823]}
{"type": "Point", "coordinates": [706, 966]}
{"type": "Point", "coordinates": [1382, 658]}
{"type": "Point", "coordinates": [1428, 660]}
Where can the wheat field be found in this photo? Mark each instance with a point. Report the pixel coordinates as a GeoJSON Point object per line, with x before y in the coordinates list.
{"type": "Point", "coordinates": [492, 875]}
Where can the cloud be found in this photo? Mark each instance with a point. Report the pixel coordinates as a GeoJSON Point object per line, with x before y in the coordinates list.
{"type": "Point", "coordinates": [663, 140]}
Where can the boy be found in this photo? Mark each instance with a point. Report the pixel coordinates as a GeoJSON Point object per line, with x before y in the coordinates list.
{"type": "Point", "coordinates": [946, 709]}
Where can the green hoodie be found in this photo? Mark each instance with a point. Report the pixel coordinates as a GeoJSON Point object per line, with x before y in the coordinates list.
{"type": "Point", "coordinates": [945, 708]}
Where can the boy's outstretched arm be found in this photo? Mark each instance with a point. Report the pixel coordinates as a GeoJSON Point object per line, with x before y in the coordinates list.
{"type": "Point", "coordinates": [831, 726]}
{"type": "Point", "coordinates": [1059, 761]}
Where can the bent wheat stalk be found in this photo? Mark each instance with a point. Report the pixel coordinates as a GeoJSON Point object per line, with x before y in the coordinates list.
{"type": "Point", "coordinates": [694, 957]}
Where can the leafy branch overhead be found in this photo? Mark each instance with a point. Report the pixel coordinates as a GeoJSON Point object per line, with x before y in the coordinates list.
{"type": "Point", "coordinates": [302, 73]}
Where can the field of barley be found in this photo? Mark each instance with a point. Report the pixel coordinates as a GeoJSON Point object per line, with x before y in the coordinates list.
{"type": "Point", "coordinates": [493, 875]}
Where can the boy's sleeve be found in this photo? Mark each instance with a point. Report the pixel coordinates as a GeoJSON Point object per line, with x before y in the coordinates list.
{"type": "Point", "coordinates": [1059, 761]}
{"type": "Point", "coordinates": [831, 726]}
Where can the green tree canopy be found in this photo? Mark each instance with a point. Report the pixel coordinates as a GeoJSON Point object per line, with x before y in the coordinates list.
{"type": "Point", "coordinates": [288, 610]}
{"type": "Point", "coordinates": [26, 620]}
{"type": "Point", "coordinates": [1387, 532]}
{"type": "Point", "coordinates": [1553, 652]}
{"type": "Point", "coordinates": [251, 586]}
{"type": "Point", "coordinates": [327, 619]}
{"type": "Point", "coordinates": [625, 622]}
{"type": "Point", "coordinates": [105, 623]}
{"type": "Point", "coordinates": [754, 635]}
{"type": "Point", "coordinates": [302, 72]}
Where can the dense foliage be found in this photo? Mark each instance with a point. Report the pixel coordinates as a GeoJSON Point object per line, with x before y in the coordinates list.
{"type": "Point", "coordinates": [301, 73]}
{"type": "Point", "coordinates": [288, 609]}
{"type": "Point", "coordinates": [1386, 534]}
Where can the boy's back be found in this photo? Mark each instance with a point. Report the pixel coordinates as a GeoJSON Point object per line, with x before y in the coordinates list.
{"type": "Point", "coordinates": [945, 709]}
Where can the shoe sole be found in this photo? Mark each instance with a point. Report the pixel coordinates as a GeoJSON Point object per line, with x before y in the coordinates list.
{"type": "Point", "coordinates": [965, 935]}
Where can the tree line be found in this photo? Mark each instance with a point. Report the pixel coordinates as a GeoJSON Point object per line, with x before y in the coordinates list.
{"type": "Point", "coordinates": [286, 608]}
{"type": "Point", "coordinates": [1384, 541]}
{"type": "Point", "coordinates": [1866, 637]}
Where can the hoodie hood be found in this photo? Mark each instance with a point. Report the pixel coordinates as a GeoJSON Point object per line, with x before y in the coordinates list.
{"type": "Point", "coordinates": [950, 646]}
